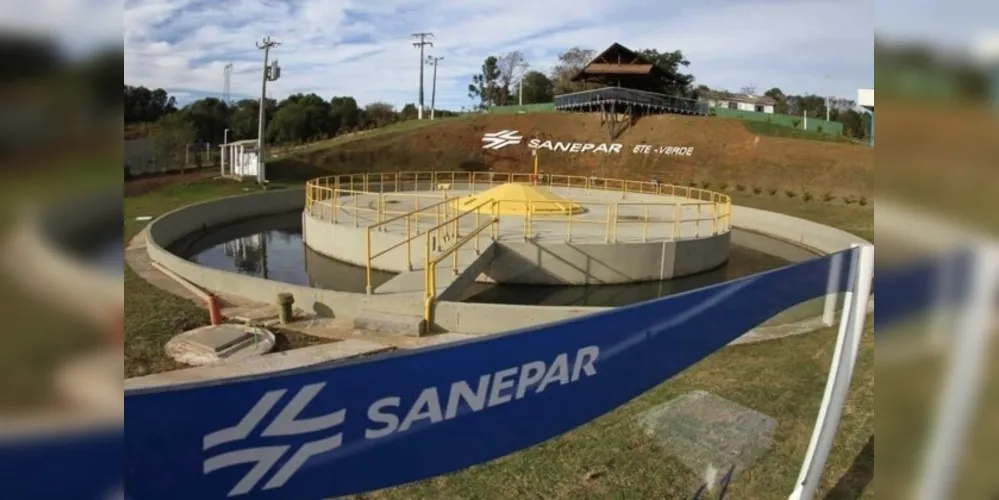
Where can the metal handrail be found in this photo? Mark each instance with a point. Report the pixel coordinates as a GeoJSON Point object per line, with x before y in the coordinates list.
{"type": "Point", "coordinates": [430, 268]}
{"type": "Point", "coordinates": [331, 188]}
{"type": "Point", "coordinates": [318, 190]}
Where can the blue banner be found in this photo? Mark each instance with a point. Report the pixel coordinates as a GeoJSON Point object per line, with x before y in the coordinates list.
{"type": "Point", "coordinates": [370, 424]}
{"type": "Point", "coordinates": [919, 287]}
{"type": "Point", "coordinates": [68, 463]}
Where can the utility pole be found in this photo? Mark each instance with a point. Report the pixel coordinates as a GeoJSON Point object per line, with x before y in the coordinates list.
{"type": "Point", "coordinates": [226, 88]}
{"type": "Point", "coordinates": [270, 73]}
{"type": "Point", "coordinates": [422, 42]}
{"type": "Point", "coordinates": [432, 61]}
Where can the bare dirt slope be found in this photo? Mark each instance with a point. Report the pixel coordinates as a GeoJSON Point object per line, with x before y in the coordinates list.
{"type": "Point", "coordinates": [725, 153]}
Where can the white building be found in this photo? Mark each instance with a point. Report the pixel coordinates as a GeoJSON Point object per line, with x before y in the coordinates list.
{"type": "Point", "coordinates": [239, 159]}
{"type": "Point", "coordinates": [741, 102]}
{"type": "Point", "coordinates": [865, 98]}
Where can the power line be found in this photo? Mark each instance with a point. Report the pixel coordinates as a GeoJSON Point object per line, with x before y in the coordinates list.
{"type": "Point", "coordinates": [420, 44]}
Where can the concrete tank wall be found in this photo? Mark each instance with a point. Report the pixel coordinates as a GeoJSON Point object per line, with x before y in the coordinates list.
{"type": "Point", "coordinates": [536, 262]}
{"type": "Point", "coordinates": [560, 263]}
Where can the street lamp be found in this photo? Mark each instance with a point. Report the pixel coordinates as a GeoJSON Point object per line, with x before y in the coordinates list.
{"type": "Point", "coordinates": [225, 150]}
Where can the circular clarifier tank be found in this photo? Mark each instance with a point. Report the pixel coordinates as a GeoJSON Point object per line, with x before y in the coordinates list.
{"type": "Point", "coordinates": [271, 247]}
{"type": "Point", "coordinates": [538, 235]}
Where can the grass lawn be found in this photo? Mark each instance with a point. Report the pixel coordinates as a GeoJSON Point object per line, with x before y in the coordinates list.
{"type": "Point", "coordinates": [609, 457]}
{"type": "Point", "coordinates": [152, 316]}
{"type": "Point", "coordinates": [612, 458]}
{"type": "Point", "coordinates": [40, 337]}
{"type": "Point", "coordinates": [776, 130]}
{"type": "Point", "coordinates": [402, 126]}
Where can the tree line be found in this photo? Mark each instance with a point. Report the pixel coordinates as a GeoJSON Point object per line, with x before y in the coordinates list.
{"type": "Point", "coordinates": [501, 77]}
{"type": "Point", "coordinates": [498, 83]}
{"type": "Point", "coordinates": [296, 119]}
{"type": "Point", "coordinates": [856, 125]}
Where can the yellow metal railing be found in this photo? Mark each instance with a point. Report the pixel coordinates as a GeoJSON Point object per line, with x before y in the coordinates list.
{"type": "Point", "coordinates": [412, 219]}
{"type": "Point", "coordinates": [324, 193]}
{"type": "Point", "coordinates": [432, 261]}
{"type": "Point", "coordinates": [369, 196]}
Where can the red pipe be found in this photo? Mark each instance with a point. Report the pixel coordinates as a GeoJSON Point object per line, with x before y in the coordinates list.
{"type": "Point", "coordinates": [214, 310]}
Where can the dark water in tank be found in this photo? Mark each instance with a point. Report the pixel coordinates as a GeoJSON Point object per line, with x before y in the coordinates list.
{"type": "Point", "coordinates": [272, 248]}
{"type": "Point", "coordinates": [109, 254]}
{"type": "Point", "coordinates": [103, 247]}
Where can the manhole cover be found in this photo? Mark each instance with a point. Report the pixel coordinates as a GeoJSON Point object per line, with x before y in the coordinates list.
{"type": "Point", "coordinates": [705, 431]}
{"type": "Point", "coordinates": [213, 344]}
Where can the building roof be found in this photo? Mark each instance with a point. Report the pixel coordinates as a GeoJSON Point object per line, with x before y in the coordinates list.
{"type": "Point", "coordinates": [620, 66]}
{"type": "Point", "coordinates": [747, 98]}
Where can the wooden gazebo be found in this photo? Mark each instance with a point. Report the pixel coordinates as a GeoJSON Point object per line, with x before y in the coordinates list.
{"type": "Point", "coordinates": [631, 86]}
{"type": "Point", "coordinates": [619, 66]}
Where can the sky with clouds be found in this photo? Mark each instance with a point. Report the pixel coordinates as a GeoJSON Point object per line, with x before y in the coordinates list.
{"type": "Point", "coordinates": [364, 48]}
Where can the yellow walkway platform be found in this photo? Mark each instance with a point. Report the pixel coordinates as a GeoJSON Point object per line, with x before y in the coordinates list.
{"type": "Point", "coordinates": [519, 199]}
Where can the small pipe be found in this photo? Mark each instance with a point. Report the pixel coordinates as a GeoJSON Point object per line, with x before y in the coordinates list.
{"type": "Point", "coordinates": [214, 310]}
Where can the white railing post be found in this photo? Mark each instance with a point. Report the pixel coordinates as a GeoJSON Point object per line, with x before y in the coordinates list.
{"type": "Point", "coordinates": [970, 337]}
{"type": "Point", "coordinates": [851, 329]}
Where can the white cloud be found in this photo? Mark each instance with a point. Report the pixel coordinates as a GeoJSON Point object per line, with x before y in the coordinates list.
{"type": "Point", "coordinates": [363, 48]}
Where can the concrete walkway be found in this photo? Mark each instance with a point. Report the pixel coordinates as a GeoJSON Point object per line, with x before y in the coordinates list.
{"type": "Point", "coordinates": [450, 280]}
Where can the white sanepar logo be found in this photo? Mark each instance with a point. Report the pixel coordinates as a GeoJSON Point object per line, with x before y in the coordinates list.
{"type": "Point", "coordinates": [286, 423]}
{"type": "Point", "coordinates": [501, 139]}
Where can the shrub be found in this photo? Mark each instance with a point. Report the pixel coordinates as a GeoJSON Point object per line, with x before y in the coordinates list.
{"type": "Point", "coordinates": [757, 190]}
{"type": "Point", "coordinates": [807, 196]}
{"type": "Point", "coordinates": [723, 186]}
{"type": "Point", "coordinates": [692, 184]}
{"type": "Point", "coordinates": [862, 201]}
{"type": "Point", "coordinates": [705, 185]}
{"type": "Point", "coordinates": [790, 193]}
{"type": "Point", "coordinates": [740, 187]}
{"type": "Point", "coordinates": [828, 197]}
{"type": "Point", "coordinates": [849, 200]}
{"type": "Point", "coordinates": [773, 191]}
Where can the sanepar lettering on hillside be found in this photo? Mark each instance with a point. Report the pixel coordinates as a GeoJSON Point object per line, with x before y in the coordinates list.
{"type": "Point", "coordinates": [507, 138]}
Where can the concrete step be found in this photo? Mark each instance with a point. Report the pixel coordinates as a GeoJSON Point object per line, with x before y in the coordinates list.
{"type": "Point", "coordinates": [412, 285]}
{"type": "Point", "coordinates": [398, 324]}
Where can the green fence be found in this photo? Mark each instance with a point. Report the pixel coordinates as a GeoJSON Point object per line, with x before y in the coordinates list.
{"type": "Point", "coordinates": [527, 108]}
{"type": "Point", "coordinates": [814, 124]}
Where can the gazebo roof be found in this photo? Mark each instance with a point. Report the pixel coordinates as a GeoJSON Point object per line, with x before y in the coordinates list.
{"type": "Point", "coordinates": [618, 61]}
